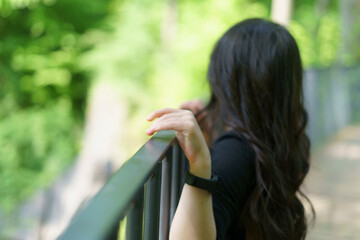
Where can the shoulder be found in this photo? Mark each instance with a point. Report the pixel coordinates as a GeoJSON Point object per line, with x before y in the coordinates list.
{"type": "Point", "coordinates": [229, 138]}
{"type": "Point", "coordinates": [232, 146]}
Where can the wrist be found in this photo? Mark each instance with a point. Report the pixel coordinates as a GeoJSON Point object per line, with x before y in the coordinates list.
{"type": "Point", "coordinates": [202, 183]}
{"type": "Point", "coordinates": [201, 167]}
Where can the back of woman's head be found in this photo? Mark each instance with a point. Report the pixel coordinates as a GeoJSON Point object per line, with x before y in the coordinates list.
{"type": "Point", "coordinates": [255, 75]}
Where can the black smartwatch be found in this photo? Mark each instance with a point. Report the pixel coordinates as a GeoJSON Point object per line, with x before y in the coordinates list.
{"type": "Point", "coordinates": [206, 184]}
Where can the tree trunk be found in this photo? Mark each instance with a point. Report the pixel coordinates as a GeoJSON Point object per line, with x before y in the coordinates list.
{"type": "Point", "coordinates": [281, 11]}
{"type": "Point", "coordinates": [169, 28]}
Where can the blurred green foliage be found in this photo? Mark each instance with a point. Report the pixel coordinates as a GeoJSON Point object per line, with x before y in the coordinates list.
{"type": "Point", "coordinates": [50, 50]}
{"type": "Point", "coordinates": [43, 89]}
{"type": "Point", "coordinates": [317, 32]}
{"type": "Point", "coordinates": [36, 144]}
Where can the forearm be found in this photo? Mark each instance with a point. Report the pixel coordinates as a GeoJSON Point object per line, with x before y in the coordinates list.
{"type": "Point", "coordinates": [194, 218]}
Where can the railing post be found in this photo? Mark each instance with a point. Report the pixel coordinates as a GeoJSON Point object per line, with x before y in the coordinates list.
{"type": "Point", "coordinates": [184, 165]}
{"type": "Point", "coordinates": [165, 196]}
{"type": "Point", "coordinates": [175, 180]}
{"type": "Point", "coordinates": [134, 220]}
{"type": "Point", "coordinates": [152, 204]}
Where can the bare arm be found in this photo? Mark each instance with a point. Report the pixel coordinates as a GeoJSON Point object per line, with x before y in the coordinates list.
{"type": "Point", "coordinates": [194, 218]}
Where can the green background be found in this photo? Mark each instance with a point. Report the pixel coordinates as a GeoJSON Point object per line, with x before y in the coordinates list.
{"type": "Point", "coordinates": [53, 52]}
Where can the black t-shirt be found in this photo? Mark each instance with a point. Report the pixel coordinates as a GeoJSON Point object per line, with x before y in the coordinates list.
{"type": "Point", "coordinates": [233, 163]}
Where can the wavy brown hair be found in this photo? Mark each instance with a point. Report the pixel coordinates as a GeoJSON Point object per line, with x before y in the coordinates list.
{"type": "Point", "coordinates": [256, 75]}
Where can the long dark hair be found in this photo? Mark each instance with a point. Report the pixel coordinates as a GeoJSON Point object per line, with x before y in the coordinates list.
{"type": "Point", "coordinates": [255, 75]}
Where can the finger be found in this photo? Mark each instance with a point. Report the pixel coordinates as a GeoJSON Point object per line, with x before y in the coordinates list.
{"type": "Point", "coordinates": [176, 115]}
{"type": "Point", "coordinates": [195, 105]}
{"type": "Point", "coordinates": [186, 105]}
{"type": "Point", "coordinates": [160, 112]}
{"type": "Point", "coordinates": [181, 116]}
{"type": "Point", "coordinates": [166, 124]}
{"type": "Point", "coordinates": [181, 120]}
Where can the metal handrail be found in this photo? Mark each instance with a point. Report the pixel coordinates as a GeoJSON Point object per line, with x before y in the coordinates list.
{"type": "Point", "coordinates": [146, 189]}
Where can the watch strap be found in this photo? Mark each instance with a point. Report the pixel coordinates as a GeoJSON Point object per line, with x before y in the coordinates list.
{"type": "Point", "coordinates": [206, 184]}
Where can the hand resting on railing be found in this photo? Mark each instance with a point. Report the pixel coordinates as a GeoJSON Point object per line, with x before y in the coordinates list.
{"type": "Point", "coordinates": [194, 217]}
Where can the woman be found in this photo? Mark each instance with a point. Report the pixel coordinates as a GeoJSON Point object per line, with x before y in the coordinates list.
{"type": "Point", "coordinates": [255, 124]}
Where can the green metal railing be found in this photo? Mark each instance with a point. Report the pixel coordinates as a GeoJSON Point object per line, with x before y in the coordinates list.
{"type": "Point", "coordinates": [146, 189]}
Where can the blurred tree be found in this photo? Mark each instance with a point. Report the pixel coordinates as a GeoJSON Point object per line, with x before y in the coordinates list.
{"type": "Point", "coordinates": [315, 26]}
{"type": "Point", "coordinates": [350, 31]}
{"type": "Point", "coordinates": [43, 89]}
